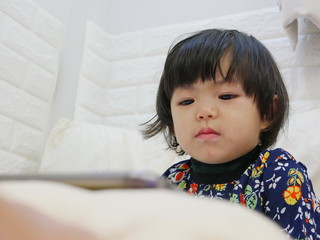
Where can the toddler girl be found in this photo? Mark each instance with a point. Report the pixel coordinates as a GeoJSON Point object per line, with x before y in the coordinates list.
{"type": "Point", "coordinates": [221, 100]}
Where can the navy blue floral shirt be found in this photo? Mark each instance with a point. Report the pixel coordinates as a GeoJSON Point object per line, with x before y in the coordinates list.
{"type": "Point", "coordinates": [275, 184]}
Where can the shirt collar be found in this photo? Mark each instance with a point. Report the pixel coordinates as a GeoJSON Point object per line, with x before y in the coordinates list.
{"type": "Point", "coordinates": [224, 172]}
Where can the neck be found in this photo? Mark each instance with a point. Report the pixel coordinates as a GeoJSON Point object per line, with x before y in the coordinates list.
{"type": "Point", "coordinates": [225, 172]}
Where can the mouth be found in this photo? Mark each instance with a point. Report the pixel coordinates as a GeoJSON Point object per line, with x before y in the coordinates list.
{"type": "Point", "coordinates": [207, 134]}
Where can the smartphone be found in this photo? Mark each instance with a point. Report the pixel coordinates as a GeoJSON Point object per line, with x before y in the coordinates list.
{"type": "Point", "coordinates": [97, 181]}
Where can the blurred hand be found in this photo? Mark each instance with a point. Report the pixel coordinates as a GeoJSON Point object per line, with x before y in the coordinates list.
{"type": "Point", "coordinates": [18, 222]}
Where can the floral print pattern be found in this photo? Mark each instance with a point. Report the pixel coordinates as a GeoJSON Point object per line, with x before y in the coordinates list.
{"type": "Point", "coordinates": [276, 184]}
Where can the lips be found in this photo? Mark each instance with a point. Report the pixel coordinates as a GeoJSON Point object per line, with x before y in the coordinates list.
{"type": "Point", "coordinates": [207, 134]}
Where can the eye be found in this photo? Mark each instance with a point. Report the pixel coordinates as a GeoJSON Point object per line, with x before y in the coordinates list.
{"type": "Point", "coordinates": [227, 96]}
{"type": "Point", "coordinates": [186, 102]}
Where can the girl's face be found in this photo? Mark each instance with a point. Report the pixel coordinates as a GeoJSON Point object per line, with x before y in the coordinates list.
{"type": "Point", "coordinates": [215, 122]}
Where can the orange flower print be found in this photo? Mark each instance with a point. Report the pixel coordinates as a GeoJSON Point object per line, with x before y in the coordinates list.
{"type": "Point", "coordinates": [292, 195]}
{"type": "Point", "coordinates": [193, 188]}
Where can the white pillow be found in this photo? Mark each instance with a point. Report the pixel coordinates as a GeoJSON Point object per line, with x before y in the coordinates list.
{"type": "Point", "coordinates": [301, 139]}
{"type": "Point", "coordinates": [84, 147]}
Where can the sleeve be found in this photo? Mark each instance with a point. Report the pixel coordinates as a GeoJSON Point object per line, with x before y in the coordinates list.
{"type": "Point", "coordinates": [289, 199]}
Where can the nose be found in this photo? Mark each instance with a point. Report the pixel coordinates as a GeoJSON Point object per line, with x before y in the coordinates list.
{"type": "Point", "coordinates": [206, 113]}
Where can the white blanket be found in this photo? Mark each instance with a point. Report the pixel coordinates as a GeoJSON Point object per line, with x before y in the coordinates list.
{"type": "Point", "coordinates": [155, 214]}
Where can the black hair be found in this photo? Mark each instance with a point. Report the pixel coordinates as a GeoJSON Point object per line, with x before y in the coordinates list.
{"type": "Point", "coordinates": [199, 56]}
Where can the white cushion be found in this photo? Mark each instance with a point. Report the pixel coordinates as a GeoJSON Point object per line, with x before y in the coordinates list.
{"type": "Point", "coordinates": [84, 147]}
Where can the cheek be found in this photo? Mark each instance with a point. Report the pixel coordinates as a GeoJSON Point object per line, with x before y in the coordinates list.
{"type": "Point", "coordinates": [244, 125]}
{"type": "Point", "coordinates": [175, 123]}
{"type": "Point", "coordinates": [179, 128]}
{"type": "Point", "coordinates": [176, 117]}
{"type": "Point", "coordinates": [176, 126]}
{"type": "Point", "coordinates": [252, 129]}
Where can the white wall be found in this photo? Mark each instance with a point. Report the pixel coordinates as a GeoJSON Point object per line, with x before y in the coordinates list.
{"type": "Point", "coordinates": [44, 54]}
{"type": "Point", "coordinates": [29, 42]}
{"type": "Point", "coordinates": [74, 15]}
{"type": "Point", "coordinates": [122, 16]}
{"type": "Point", "coordinates": [118, 17]}
{"type": "Point", "coordinates": [133, 15]}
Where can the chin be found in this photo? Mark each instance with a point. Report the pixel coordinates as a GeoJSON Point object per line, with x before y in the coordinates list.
{"type": "Point", "coordinates": [212, 160]}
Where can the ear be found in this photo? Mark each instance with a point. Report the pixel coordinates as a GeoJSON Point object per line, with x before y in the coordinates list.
{"type": "Point", "coordinates": [274, 110]}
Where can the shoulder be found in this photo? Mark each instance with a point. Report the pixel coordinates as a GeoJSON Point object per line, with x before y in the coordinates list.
{"type": "Point", "coordinates": [287, 192]}
{"type": "Point", "coordinates": [279, 157]}
{"type": "Point", "coordinates": [282, 172]}
{"type": "Point", "coordinates": [277, 164]}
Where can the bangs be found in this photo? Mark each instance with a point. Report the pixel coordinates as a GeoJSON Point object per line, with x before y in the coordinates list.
{"type": "Point", "coordinates": [200, 57]}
